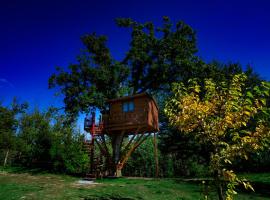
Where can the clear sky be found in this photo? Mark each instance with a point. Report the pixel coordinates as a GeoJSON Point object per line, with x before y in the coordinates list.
{"type": "Point", "coordinates": [38, 35]}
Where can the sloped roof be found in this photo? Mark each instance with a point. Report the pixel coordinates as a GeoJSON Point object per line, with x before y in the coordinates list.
{"type": "Point", "coordinates": [126, 98]}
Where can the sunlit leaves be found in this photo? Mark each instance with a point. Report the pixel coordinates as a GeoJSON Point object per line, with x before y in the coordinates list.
{"type": "Point", "coordinates": [221, 115]}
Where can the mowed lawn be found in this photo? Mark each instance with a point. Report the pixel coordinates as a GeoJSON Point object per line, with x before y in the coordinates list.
{"type": "Point", "coordinates": [25, 185]}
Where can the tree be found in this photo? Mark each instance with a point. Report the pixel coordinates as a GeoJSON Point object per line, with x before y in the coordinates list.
{"type": "Point", "coordinates": [142, 162]}
{"type": "Point", "coordinates": [8, 126]}
{"type": "Point", "coordinates": [159, 56]}
{"type": "Point", "coordinates": [35, 139]}
{"type": "Point", "coordinates": [232, 121]}
{"type": "Point", "coordinates": [44, 141]}
{"type": "Point", "coordinates": [156, 58]}
{"type": "Point", "coordinates": [67, 150]}
{"type": "Point", "coordinates": [181, 147]}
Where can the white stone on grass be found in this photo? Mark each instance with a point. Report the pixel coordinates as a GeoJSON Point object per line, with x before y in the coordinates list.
{"type": "Point", "coordinates": [85, 182]}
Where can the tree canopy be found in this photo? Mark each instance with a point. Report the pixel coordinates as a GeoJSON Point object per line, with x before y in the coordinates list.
{"type": "Point", "coordinates": [157, 57]}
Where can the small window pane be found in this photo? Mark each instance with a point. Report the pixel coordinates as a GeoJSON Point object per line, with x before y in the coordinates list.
{"type": "Point", "coordinates": [125, 107]}
{"type": "Point", "coordinates": [131, 106]}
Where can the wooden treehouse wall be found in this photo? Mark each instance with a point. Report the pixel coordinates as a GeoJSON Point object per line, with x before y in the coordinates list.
{"type": "Point", "coordinates": [144, 115]}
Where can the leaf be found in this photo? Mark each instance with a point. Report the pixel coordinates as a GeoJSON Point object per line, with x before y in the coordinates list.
{"type": "Point", "coordinates": [227, 161]}
{"type": "Point", "coordinates": [250, 95]}
{"type": "Point", "coordinates": [263, 101]}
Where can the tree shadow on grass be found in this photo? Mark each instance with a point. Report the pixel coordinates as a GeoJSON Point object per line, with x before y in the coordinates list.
{"type": "Point", "coordinates": [261, 189]}
{"type": "Point", "coordinates": [21, 170]}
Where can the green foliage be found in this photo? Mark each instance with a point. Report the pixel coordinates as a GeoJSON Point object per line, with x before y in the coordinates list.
{"type": "Point", "coordinates": [219, 116]}
{"type": "Point", "coordinates": [8, 127]}
{"type": "Point", "coordinates": [157, 57]}
{"type": "Point", "coordinates": [9, 123]}
{"type": "Point", "coordinates": [35, 138]}
{"type": "Point", "coordinates": [96, 78]}
{"type": "Point", "coordinates": [142, 161]}
{"type": "Point", "coordinates": [68, 155]}
{"type": "Point", "coordinates": [45, 142]}
{"type": "Point", "coordinates": [180, 147]}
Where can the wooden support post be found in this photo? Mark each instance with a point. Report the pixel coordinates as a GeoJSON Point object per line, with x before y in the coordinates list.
{"type": "Point", "coordinates": [156, 156]}
{"type": "Point", "coordinates": [92, 153]}
{"type": "Point", "coordinates": [131, 140]}
{"type": "Point", "coordinates": [124, 159]}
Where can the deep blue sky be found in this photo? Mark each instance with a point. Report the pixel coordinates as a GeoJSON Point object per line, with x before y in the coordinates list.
{"type": "Point", "coordinates": [37, 35]}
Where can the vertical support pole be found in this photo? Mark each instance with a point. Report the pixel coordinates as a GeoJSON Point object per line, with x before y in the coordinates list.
{"type": "Point", "coordinates": [125, 157]}
{"type": "Point", "coordinates": [92, 143]}
{"type": "Point", "coordinates": [156, 156]}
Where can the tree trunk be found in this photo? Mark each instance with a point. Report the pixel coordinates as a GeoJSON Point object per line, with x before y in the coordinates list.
{"type": "Point", "coordinates": [220, 192]}
{"type": "Point", "coordinates": [219, 186]}
{"type": "Point", "coordinates": [118, 172]}
{"type": "Point", "coordinates": [116, 145]}
{"type": "Point", "coordinates": [6, 158]}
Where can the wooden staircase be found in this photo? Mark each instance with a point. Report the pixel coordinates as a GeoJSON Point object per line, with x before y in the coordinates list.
{"type": "Point", "coordinates": [87, 147]}
{"type": "Point", "coordinates": [96, 163]}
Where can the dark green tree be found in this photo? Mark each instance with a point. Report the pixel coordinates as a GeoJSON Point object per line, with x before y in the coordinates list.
{"type": "Point", "coordinates": [67, 151]}
{"type": "Point", "coordinates": [157, 57]}
{"type": "Point", "coordinates": [34, 138]}
{"type": "Point", "coordinates": [8, 126]}
{"type": "Point", "coordinates": [44, 141]}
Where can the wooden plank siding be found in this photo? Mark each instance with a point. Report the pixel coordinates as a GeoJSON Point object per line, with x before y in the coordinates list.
{"type": "Point", "coordinates": [144, 116]}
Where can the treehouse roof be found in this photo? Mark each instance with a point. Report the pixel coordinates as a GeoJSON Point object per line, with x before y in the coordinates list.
{"type": "Point", "coordinates": [127, 98]}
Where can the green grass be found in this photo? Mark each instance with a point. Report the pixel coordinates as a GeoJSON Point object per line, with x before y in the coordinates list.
{"type": "Point", "coordinates": [20, 184]}
{"type": "Point", "coordinates": [257, 177]}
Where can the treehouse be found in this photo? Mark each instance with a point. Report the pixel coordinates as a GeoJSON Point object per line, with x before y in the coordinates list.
{"type": "Point", "coordinates": [132, 113]}
{"type": "Point", "coordinates": [132, 117]}
{"type": "Point", "coordinates": [137, 113]}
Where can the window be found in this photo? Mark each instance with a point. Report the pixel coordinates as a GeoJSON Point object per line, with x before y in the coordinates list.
{"type": "Point", "coordinates": [131, 106]}
{"type": "Point", "coordinates": [128, 106]}
{"type": "Point", "coordinates": [125, 107]}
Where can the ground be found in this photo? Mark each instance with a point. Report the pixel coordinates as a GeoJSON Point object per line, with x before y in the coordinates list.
{"type": "Point", "coordinates": [33, 185]}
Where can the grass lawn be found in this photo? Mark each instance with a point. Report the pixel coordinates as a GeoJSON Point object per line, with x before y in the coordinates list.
{"type": "Point", "coordinates": [24, 185]}
{"type": "Point", "coordinates": [257, 177]}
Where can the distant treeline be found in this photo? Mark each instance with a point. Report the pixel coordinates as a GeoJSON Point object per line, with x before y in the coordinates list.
{"type": "Point", "coordinates": [42, 139]}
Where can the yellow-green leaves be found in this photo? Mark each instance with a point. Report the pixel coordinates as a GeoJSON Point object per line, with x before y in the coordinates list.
{"type": "Point", "coordinates": [221, 115]}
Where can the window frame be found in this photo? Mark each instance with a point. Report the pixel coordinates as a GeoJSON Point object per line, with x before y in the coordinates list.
{"type": "Point", "coordinates": [127, 105]}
